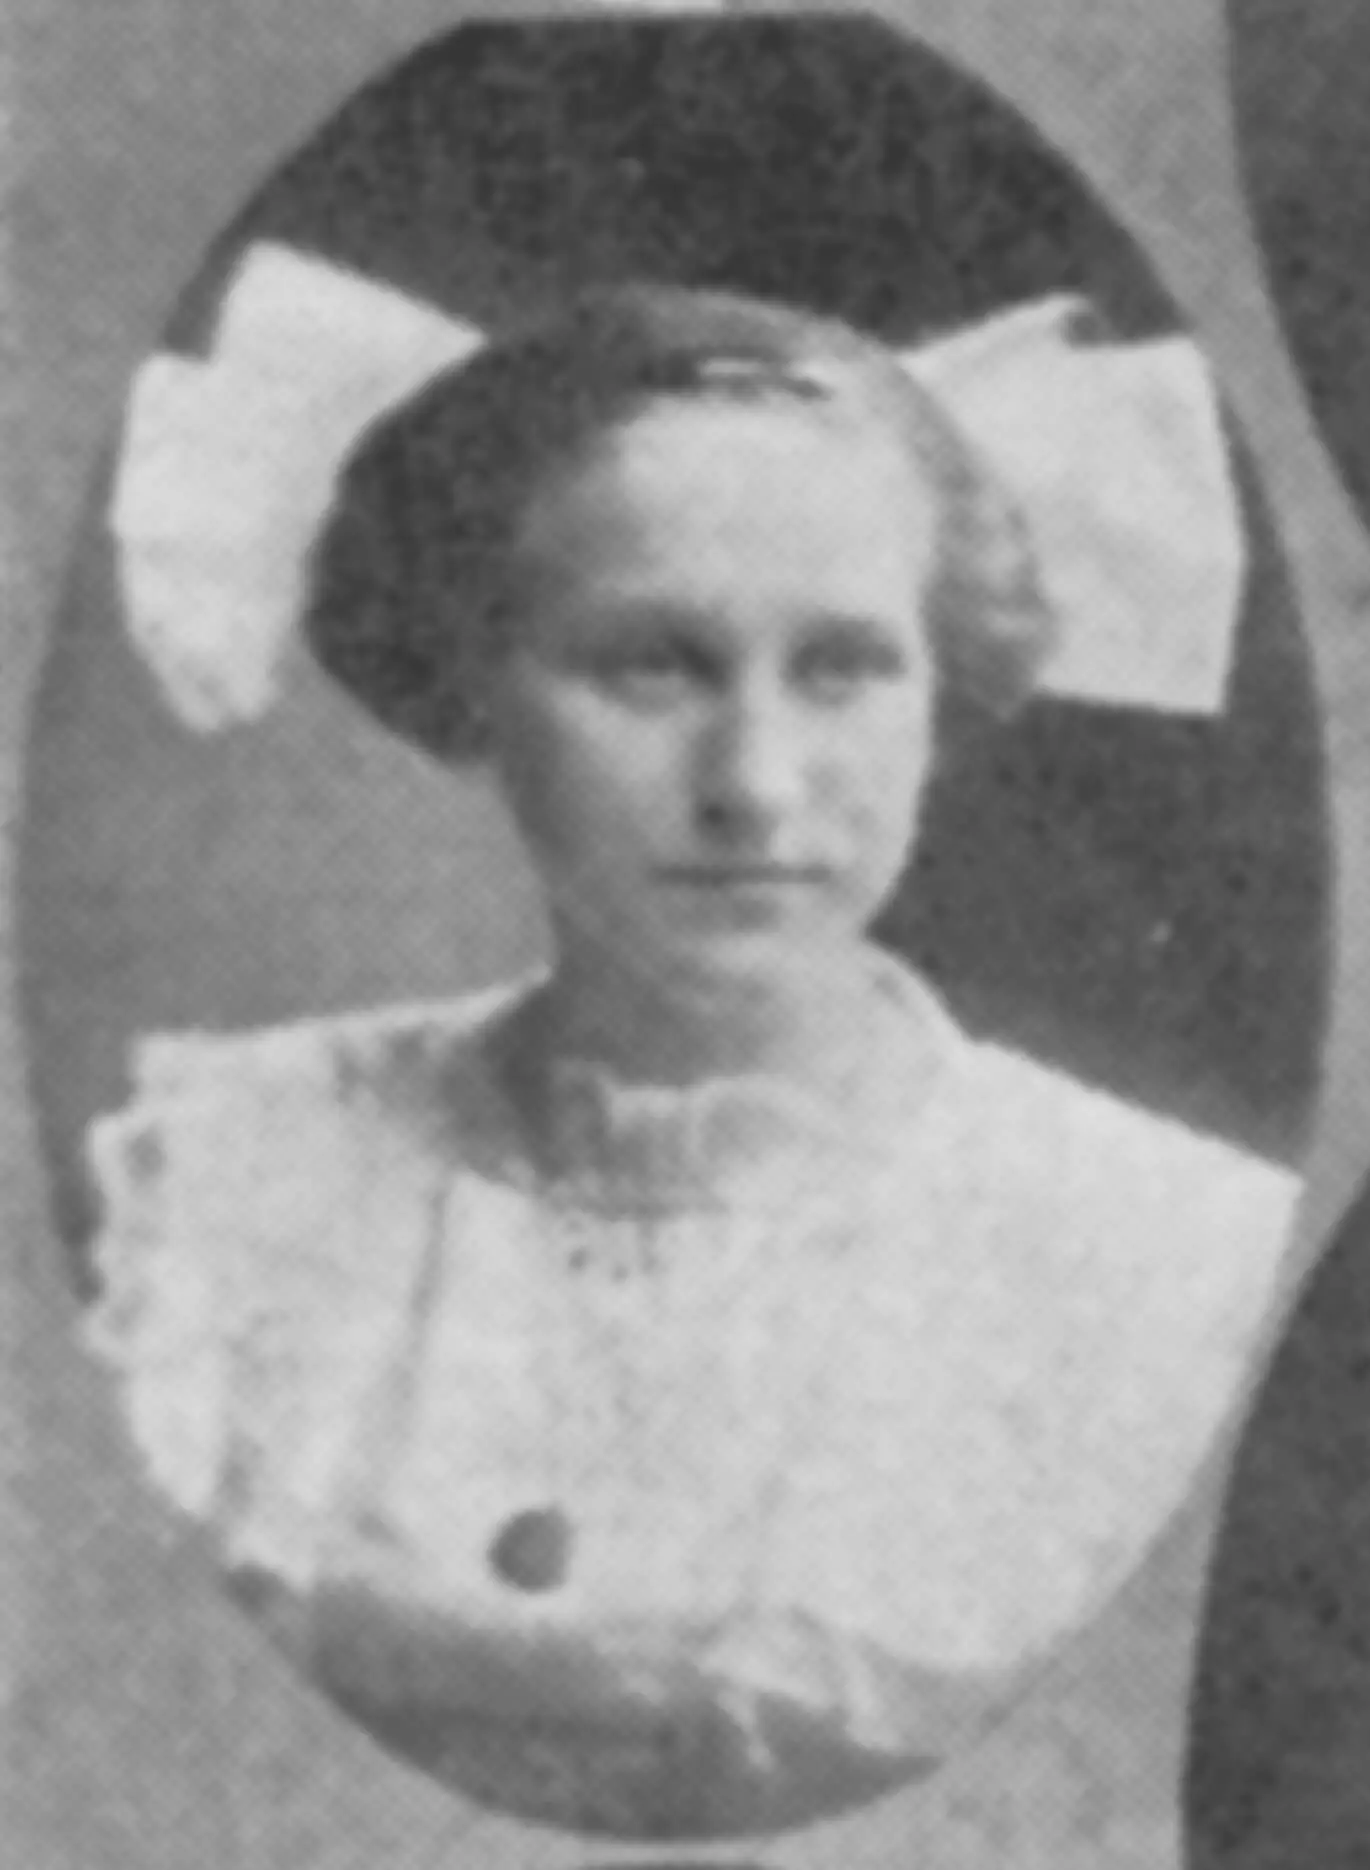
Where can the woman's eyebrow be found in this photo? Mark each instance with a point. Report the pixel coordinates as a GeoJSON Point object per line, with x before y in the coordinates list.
{"type": "Point", "coordinates": [857, 628]}
{"type": "Point", "coordinates": [625, 617]}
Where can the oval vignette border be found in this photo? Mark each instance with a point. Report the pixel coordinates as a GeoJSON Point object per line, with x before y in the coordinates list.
{"type": "Point", "coordinates": [106, 303]}
{"type": "Point", "coordinates": [1281, 1691]}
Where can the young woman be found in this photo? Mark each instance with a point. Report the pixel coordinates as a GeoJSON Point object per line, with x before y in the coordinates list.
{"type": "Point", "coordinates": [684, 1392]}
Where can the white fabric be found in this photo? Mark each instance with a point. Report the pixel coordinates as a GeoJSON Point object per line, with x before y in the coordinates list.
{"type": "Point", "coordinates": [938, 1410]}
{"type": "Point", "coordinates": [1114, 453]}
{"type": "Point", "coordinates": [1117, 457]}
{"type": "Point", "coordinates": [227, 468]}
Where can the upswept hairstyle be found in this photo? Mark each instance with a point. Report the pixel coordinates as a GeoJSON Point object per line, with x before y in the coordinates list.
{"type": "Point", "coordinates": [407, 603]}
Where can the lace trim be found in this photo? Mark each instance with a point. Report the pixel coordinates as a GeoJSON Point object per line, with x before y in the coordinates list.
{"type": "Point", "coordinates": [261, 1233]}
{"type": "Point", "coordinates": [269, 1205]}
{"type": "Point", "coordinates": [624, 1147]}
{"type": "Point", "coordinates": [262, 1228]}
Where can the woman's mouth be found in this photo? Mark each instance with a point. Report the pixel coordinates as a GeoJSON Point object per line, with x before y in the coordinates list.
{"type": "Point", "coordinates": [746, 876]}
{"type": "Point", "coordinates": [746, 895]}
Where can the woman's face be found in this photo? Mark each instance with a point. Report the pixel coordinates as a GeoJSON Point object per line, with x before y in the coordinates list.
{"type": "Point", "coordinates": [714, 721]}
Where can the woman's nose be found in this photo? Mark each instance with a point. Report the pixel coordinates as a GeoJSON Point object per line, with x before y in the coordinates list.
{"type": "Point", "coordinates": [753, 769]}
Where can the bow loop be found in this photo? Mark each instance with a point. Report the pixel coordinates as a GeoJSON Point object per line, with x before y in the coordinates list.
{"type": "Point", "coordinates": [1116, 458]}
{"type": "Point", "coordinates": [228, 467]}
{"type": "Point", "coordinates": [1114, 454]}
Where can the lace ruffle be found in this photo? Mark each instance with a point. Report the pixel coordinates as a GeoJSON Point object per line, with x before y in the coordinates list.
{"type": "Point", "coordinates": [1081, 1280]}
{"type": "Point", "coordinates": [261, 1232]}
{"type": "Point", "coordinates": [160, 1319]}
{"type": "Point", "coordinates": [750, 1140]}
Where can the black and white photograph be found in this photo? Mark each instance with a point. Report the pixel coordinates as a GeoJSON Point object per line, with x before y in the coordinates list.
{"type": "Point", "coordinates": [679, 922]}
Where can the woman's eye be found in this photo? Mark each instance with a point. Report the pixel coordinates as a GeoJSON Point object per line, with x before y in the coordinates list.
{"type": "Point", "coordinates": [838, 669]}
{"type": "Point", "coordinates": [651, 674]}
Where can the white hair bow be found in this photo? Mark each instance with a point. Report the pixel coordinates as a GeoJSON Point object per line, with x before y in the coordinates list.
{"type": "Point", "coordinates": [1114, 453]}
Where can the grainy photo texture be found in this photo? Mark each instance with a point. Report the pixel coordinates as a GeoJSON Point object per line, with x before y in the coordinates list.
{"type": "Point", "coordinates": [675, 919]}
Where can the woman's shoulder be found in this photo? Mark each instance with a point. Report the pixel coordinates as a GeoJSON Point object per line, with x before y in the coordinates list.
{"type": "Point", "coordinates": [1045, 1124]}
{"type": "Point", "coordinates": [262, 1198]}
{"type": "Point", "coordinates": [281, 1088]}
{"type": "Point", "coordinates": [1090, 1122]}
{"type": "Point", "coordinates": [1143, 1175]}
{"type": "Point", "coordinates": [324, 1053]}
{"type": "Point", "coordinates": [228, 1137]}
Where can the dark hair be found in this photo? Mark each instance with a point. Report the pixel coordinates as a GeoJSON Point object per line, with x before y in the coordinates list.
{"type": "Point", "coordinates": [406, 602]}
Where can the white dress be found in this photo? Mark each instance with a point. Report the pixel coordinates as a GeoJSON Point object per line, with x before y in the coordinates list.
{"type": "Point", "coordinates": [732, 1462]}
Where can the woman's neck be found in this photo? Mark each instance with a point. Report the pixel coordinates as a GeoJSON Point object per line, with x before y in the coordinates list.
{"type": "Point", "coordinates": [812, 1026]}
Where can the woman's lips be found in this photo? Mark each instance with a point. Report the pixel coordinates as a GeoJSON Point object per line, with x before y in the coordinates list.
{"type": "Point", "coordinates": [745, 876]}
{"type": "Point", "coordinates": [749, 891]}
{"type": "Point", "coordinates": [746, 872]}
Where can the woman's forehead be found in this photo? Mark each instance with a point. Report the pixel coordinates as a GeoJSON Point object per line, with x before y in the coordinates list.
{"type": "Point", "coordinates": [754, 509]}
{"type": "Point", "coordinates": [726, 468]}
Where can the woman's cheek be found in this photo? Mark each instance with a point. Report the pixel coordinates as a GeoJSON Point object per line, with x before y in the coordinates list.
{"type": "Point", "coordinates": [611, 809]}
{"type": "Point", "coordinates": [563, 774]}
{"type": "Point", "coordinates": [887, 801]}
{"type": "Point", "coordinates": [644, 781]}
{"type": "Point", "coordinates": [891, 755]}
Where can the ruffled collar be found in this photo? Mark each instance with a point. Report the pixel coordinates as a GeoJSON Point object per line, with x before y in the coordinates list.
{"type": "Point", "coordinates": [628, 1144]}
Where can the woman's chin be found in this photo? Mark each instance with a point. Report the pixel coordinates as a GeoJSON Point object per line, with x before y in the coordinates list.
{"type": "Point", "coordinates": [763, 963]}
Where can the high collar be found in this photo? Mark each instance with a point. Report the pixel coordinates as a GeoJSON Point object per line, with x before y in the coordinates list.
{"type": "Point", "coordinates": [749, 1136]}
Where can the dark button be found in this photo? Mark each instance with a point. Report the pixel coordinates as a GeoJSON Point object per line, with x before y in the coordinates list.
{"type": "Point", "coordinates": [533, 1549]}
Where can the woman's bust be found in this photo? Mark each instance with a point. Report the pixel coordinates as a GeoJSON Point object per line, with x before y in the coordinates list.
{"type": "Point", "coordinates": [685, 1392]}
{"type": "Point", "coordinates": [837, 1415]}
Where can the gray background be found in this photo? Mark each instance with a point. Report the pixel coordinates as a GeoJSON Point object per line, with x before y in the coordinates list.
{"type": "Point", "coordinates": [148, 1726]}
